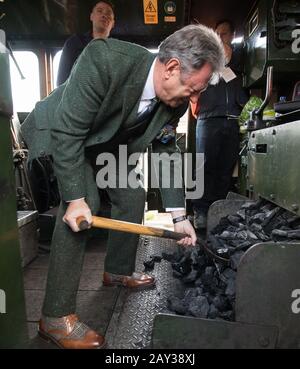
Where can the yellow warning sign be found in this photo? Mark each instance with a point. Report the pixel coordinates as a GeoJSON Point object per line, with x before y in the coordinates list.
{"type": "Point", "coordinates": [150, 12]}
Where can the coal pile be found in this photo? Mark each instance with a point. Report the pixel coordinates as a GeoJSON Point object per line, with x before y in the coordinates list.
{"type": "Point", "coordinates": [208, 272]}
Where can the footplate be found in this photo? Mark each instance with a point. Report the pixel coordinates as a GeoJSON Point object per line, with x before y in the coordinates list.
{"type": "Point", "coordinates": [132, 321]}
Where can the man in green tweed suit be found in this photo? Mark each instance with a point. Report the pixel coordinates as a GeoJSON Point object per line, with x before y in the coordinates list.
{"type": "Point", "coordinates": [92, 112]}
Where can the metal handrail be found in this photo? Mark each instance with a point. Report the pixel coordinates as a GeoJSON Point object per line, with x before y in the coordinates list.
{"type": "Point", "coordinates": [268, 91]}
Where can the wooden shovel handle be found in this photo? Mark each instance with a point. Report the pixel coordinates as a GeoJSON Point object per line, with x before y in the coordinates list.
{"type": "Point", "coordinates": [118, 225]}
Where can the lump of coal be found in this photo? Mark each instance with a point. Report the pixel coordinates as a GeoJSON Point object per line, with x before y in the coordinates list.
{"type": "Point", "coordinates": [214, 242]}
{"type": "Point", "coordinates": [258, 218]}
{"type": "Point", "coordinates": [235, 259]}
{"type": "Point", "coordinates": [191, 277]}
{"type": "Point", "coordinates": [194, 257]}
{"type": "Point", "coordinates": [207, 276]}
{"type": "Point", "coordinates": [252, 205]}
{"type": "Point", "coordinates": [173, 258]}
{"type": "Point", "coordinates": [278, 234]}
{"type": "Point", "coordinates": [230, 290]}
{"type": "Point", "coordinates": [251, 235]}
{"type": "Point", "coordinates": [177, 274]}
{"type": "Point", "coordinates": [271, 221]}
{"type": "Point", "coordinates": [223, 253]}
{"type": "Point", "coordinates": [199, 307]}
{"type": "Point", "coordinates": [156, 258]}
{"type": "Point", "coordinates": [227, 315]}
{"type": "Point", "coordinates": [228, 274]}
{"type": "Point", "coordinates": [234, 220]}
{"type": "Point", "coordinates": [175, 304]}
{"type": "Point", "coordinates": [242, 214]}
{"type": "Point", "coordinates": [182, 268]}
{"type": "Point", "coordinates": [242, 235]}
{"type": "Point", "coordinates": [221, 303]}
{"type": "Point", "coordinates": [261, 236]}
{"type": "Point", "coordinates": [189, 294]}
{"type": "Point", "coordinates": [232, 229]}
{"type": "Point", "coordinates": [256, 227]}
{"type": "Point", "coordinates": [226, 235]}
{"type": "Point", "coordinates": [149, 264]}
{"type": "Point", "coordinates": [213, 312]}
{"type": "Point", "coordinates": [293, 221]}
{"type": "Point", "coordinates": [294, 234]}
{"type": "Point", "coordinates": [223, 224]}
{"type": "Point", "coordinates": [244, 246]}
{"type": "Point", "coordinates": [198, 282]}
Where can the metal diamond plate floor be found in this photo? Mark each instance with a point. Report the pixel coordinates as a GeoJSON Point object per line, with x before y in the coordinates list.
{"type": "Point", "coordinates": [131, 324]}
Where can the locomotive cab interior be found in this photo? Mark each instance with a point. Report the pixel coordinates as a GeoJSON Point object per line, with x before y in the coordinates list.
{"type": "Point", "coordinates": [266, 295]}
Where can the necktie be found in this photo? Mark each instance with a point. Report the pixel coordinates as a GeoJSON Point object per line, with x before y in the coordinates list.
{"type": "Point", "coordinates": [149, 110]}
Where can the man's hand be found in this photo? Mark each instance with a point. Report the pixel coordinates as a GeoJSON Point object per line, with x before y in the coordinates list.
{"type": "Point", "coordinates": [76, 209]}
{"type": "Point", "coordinates": [186, 227]}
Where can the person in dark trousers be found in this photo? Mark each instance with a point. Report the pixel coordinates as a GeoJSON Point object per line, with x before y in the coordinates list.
{"type": "Point", "coordinates": [217, 132]}
{"type": "Point", "coordinates": [118, 94]}
{"type": "Point", "coordinates": [103, 21]}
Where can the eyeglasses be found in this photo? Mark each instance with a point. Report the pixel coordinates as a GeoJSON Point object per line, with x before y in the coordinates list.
{"type": "Point", "coordinates": [198, 92]}
{"type": "Point", "coordinates": [203, 89]}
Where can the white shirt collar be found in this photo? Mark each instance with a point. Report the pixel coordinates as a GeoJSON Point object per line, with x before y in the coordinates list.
{"type": "Point", "coordinates": [149, 92]}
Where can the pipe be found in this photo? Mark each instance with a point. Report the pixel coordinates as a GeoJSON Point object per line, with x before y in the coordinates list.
{"type": "Point", "coordinates": [269, 89]}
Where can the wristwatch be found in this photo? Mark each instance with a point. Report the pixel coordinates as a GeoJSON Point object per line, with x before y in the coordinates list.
{"type": "Point", "coordinates": [179, 219]}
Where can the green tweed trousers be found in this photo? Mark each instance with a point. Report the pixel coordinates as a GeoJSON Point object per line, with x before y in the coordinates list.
{"type": "Point", "coordinates": [68, 247]}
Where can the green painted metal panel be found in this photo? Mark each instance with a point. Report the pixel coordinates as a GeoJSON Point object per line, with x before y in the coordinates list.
{"type": "Point", "coordinates": [267, 290]}
{"type": "Point", "coordinates": [256, 44]}
{"type": "Point", "coordinates": [273, 168]}
{"type": "Point", "coordinates": [265, 46]}
{"type": "Point", "coordinates": [12, 308]}
{"type": "Point", "coordinates": [182, 332]}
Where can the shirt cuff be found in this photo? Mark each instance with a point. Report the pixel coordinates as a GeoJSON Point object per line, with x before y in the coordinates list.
{"type": "Point", "coordinates": [81, 198]}
{"type": "Point", "coordinates": [174, 209]}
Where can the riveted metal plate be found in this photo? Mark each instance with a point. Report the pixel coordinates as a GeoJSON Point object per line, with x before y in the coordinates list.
{"type": "Point", "coordinates": [132, 321]}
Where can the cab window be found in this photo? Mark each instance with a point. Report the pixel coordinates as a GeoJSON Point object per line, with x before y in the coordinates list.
{"type": "Point", "coordinates": [25, 92]}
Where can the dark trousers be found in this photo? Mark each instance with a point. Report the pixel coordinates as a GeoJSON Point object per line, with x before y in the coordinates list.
{"type": "Point", "coordinates": [67, 249]}
{"type": "Point", "coordinates": [218, 139]}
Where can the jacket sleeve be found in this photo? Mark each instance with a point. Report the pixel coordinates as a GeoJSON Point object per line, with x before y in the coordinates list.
{"type": "Point", "coordinates": [75, 114]}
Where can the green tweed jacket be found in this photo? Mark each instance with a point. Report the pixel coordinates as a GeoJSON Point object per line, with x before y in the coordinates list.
{"type": "Point", "coordinates": [101, 96]}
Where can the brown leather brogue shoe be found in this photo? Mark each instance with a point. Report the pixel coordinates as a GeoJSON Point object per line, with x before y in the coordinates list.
{"type": "Point", "coordinates": [69, 333]}
{"type": "Point", "coordinates": [136, 280]}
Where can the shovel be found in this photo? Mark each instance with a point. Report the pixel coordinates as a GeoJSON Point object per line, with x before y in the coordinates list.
{"type": "Point", "coordinates": [122, 226]}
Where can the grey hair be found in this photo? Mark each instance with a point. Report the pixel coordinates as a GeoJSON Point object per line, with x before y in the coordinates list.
{"type": "Point", "coordinates": [193, 46]}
